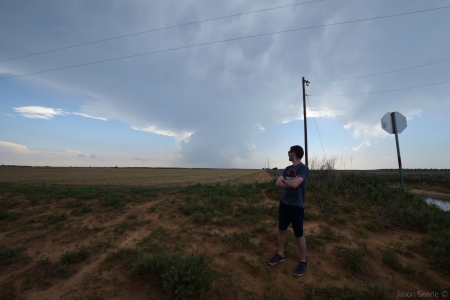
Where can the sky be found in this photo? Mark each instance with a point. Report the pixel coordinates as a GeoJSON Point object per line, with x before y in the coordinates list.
{"type": "Point", "coordinates": [218, 84]}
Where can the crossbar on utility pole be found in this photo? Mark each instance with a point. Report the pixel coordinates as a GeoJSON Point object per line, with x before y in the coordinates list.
{"type": "Point", "coordinates": [305, 82]}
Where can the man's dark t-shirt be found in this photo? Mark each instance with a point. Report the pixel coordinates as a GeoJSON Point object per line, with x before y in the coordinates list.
{"type": "Point", "coordinates": [295, 197]}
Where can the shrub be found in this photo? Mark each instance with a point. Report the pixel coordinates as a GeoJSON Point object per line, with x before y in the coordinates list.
{"type": "Point", "coordinates": [355, 260]}
{"type": "Point", "coordinates": [183, 277]}
{"type": "Point", "coordinates": [46, 269]}
{"type": "Point", "coordinates": [55, 218]}
{"type": "Point", "coordinates": [75, 256]}
{"type": "Point", "coordinates": [81, 210]}
{"type": "Point", "coordinates": [390, 258]}
{"type": "Point", "coordinates": [3, 214]}
{"type": "Point", "coordinates": [10, 255]}
{"type": "Point", "coordinates": [114, 202]}
{"type": "Point", "coordinates": [438, 247]}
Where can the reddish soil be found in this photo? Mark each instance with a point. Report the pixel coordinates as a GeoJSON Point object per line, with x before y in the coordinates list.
{"type": "Point", "coordinates": [248, 270]}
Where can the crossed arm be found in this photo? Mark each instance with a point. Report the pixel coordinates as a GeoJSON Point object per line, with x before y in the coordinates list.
{"type": "Point", "coordinates": [289, 184]}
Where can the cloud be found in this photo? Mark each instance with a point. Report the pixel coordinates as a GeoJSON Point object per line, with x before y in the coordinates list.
{"type": "Point", "coordinates": [7, 147]}
{"type": "Point", "coordinates": [75, 152]}
{"type": "Point", "coordinates": [80, 154]}
{"type": "Point", "coordinates": [261, 129]}
{"type": "Point", "coordinates": [365, 129]}
{"type": "Point", "coordinates": [152, 129]}
{"type": "Point", "coordinates": [39, 112]}
{"type": "Point", "coordinates": [214, 99]}
{"type": "Point", "coordinates": [88, 116]}
{"type": "Point", "coordinates": [361, 146]}
{"type": "Point", "coordinates": [140, 159]}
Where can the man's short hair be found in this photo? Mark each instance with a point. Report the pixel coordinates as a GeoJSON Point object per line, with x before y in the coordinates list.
{"type": "Point", "coordinates": [298, 151]}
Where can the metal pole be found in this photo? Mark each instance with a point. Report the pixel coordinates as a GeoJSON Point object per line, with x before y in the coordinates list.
{"type": "Point", "coordinates": [304, 119]}
{"type": "Point", "coordinates": [394, 123]}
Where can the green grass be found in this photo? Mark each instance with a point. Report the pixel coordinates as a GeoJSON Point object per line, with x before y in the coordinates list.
{"type": "Point", "coordinates": [354, 260]}
{"type": "Point", "coordinates": [75, 256]}
{"type": "Point", "coordinates": [325, 236]}
{"type": "Point", "coordinates": [183, 276]}
{"type": "Point", "coordinates": [81, 210]}
{"type": "Point", "coordinates": [11, 255]}
{"type": "Point", "coordinates": [390, 258]}
{"type": "Point", "coordinates": [55, 218]}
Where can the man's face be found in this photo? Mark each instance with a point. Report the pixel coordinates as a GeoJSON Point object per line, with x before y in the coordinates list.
{"type": "Point", "coordinates": [291, 155]}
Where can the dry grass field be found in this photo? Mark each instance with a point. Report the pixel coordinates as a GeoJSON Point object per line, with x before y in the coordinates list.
{"type": "Point", "coordinates": [123, 176]}
{"type": "Point", "coordinates": [190, 234]}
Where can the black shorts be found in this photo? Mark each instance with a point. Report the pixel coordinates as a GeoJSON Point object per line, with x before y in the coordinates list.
{"type": "Point", "coordinates": [288, 214]}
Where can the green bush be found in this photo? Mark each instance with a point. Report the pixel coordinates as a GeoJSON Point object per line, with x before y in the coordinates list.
{"type": "Point", "coordinates": [390, 258]}
{"type": "Point", "coordinates": [81, 210]}
{"type": "Point", "coordinates": [46, 269]}
{"type": "Point", "coordinates": [56, 218]}
{"type": "Point", "coordinates": [355, 260]}
{"type": "Point", "coordinates": [438, 248]}
{"type": "Point", "coordinates": [326, 235]}
{"type": "Point", "coordinates": [183, 277]}
{"type": "Point", "coordinates": [3, 214]}
{"type": "Point", "coordinates": [113, 201]}
{"type": "Point", "coordinates": [10, 255]}
{"type": "Point", "coordinates": [75, 256]}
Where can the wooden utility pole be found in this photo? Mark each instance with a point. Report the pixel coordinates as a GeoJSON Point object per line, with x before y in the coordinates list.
{"type": "Point", "coordinates": [304, 119]}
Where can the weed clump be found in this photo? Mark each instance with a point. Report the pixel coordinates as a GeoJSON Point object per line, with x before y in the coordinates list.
{"type": "Point", "coordinates": [75, 256]}
{"type": "Point", "coordinates": [10, 216]}
{"type": "Point", "coordinates": [10, 255]}
{"type": "Point", "coordinates": [183, 277]}
{"type": "Point", "coordinates": [113, 202]}
{"type": "Point", "coordinates": [78, 211]}
{"type": "Point", "coordinates": [326, 235]}
{"type": "Point", "coordinates": [43, 271]}
{"type": "Point", "coordinates": [55, 218]}
{"type": "Point", "coordinates": [3, 214]}
{"type": "Point", "coordinates": [354, 260]}
{"type": "Point", "coordinates": [390, 258]}
{"type": "Point", "coordinates": [438, 246]}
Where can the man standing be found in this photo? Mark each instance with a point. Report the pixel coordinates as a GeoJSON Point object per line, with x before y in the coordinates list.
{"type": "Point", "coordinates": [291, 208]}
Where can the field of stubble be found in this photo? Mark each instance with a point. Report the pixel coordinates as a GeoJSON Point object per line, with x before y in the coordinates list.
{"type": "Point", "coordinates": [122, 176]}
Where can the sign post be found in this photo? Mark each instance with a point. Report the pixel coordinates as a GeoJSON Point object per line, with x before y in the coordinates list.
{"type": "Point", "coordinates": [395, 123]}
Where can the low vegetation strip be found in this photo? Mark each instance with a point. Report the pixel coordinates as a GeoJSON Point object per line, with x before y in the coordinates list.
{"type": "Point", "coordinates": [138, 177]}
{"type": "Point", "coordinates": [212, 240]}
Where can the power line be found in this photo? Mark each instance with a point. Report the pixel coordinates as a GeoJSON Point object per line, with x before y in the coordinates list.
{"type": "Point", "coordinates": [290, 122]}
{"type": "Point", "coordinates": [375, 74]}
{"type": "Point", "coordinates": [386, 91]}
{"type": "Point", "coordinates": [228, 40]}
{"type": "Point", "coordinates": [317, 128]}
{"type": "Point", "coordinates": [159, 29]}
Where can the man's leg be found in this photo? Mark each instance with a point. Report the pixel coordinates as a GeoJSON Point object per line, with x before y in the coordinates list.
{"type": "Point", "coordinates": [301, 248]}
{"type": "Point", "coordinates": [281, 240]}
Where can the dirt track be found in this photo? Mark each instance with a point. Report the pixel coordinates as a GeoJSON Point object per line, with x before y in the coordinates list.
{"type": "Point", "coordinates": [430, 194]}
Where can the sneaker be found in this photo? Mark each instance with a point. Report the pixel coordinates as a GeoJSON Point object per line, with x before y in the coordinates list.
{"type": "Point", "coordinates": [301, 269]}
{"type": "Point", "coordinates": [276, 259]}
